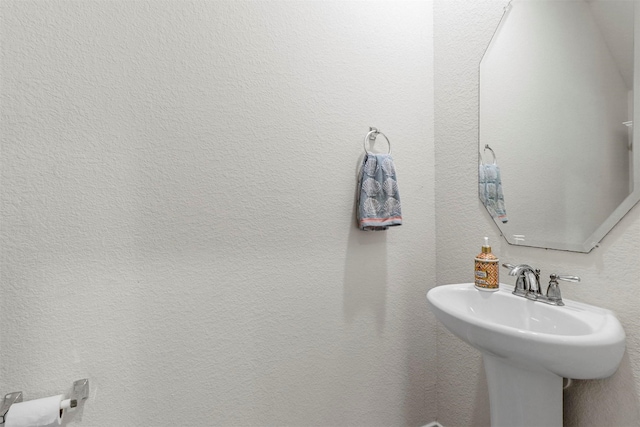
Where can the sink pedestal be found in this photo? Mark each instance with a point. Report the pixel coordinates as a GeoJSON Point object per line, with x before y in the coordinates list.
{"type": "Point", "coordinates": [522, 398]}
{"type": "Point", "coordinates": [528, 347]}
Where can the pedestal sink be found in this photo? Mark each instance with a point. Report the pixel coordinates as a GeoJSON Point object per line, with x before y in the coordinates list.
{"type": "Point", "coordinates": [528, 347]}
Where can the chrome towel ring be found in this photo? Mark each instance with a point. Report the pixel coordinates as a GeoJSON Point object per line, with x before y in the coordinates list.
{"type": "Point", "coordinates": [371, 136]}
{"type": "Point", "coordinates": [493, 153]}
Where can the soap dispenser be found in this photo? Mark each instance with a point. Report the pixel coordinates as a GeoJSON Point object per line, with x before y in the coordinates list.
{"type": "Point", "coordinates": [487, 269]}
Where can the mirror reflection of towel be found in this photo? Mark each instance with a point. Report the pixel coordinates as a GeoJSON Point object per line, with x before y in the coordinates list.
{"type": "Point", "coordinates": [378, 197]}
{"type": "Point", "coordinates": [490, 190]}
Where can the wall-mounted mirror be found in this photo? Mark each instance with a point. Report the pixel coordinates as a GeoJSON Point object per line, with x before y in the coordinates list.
{"type": "Point", "coordinates": [557, 111]}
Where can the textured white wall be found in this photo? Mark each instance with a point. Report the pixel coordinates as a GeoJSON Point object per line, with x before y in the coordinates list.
{"type": "Point", "coordinates": [178, 184]}
{"type": "Point", "coordinates": [610, 274]}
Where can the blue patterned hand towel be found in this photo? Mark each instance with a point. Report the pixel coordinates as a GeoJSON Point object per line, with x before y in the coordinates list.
{"type": "Point", "coordinates": [378, 197]}
{"type": "Point", "coordinates": [490, 190]}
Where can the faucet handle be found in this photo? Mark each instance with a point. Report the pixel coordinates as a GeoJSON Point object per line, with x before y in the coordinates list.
{"type": "Point", "coordinates": [556, 277]}
{"type": "Point", "coordinates": [553, 291]}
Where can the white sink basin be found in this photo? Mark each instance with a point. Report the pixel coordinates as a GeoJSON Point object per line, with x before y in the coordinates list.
{"type": "Point", "coordinates": [574, 341]}
{"type": "Point", "coordinates": [529, 346]}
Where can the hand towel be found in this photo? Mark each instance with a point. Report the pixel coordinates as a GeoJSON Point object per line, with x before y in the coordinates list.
{"type": "Point", "coordinates": [490, 190]}
{"type": "Point", "coordinates": [378, 197]}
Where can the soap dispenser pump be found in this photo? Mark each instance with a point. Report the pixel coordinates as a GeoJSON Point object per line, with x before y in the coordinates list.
{"type": "Point", "coordinates": [487, 269]}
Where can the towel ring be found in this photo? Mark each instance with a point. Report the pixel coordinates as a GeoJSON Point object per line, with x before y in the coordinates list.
{"type": "Point", "coordinates": [371, 136]}
{"type": "Point", "coordinates": [486, 147]}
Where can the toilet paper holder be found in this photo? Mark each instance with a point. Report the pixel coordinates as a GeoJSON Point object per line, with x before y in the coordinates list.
{"type": "Point", "coordinates": [9, 400]}
{"type": "Point", "coordinates": [79, 393]}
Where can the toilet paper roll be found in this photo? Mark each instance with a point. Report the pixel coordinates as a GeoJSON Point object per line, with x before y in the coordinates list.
{"type": "Point", "coordinates": [43, 412]}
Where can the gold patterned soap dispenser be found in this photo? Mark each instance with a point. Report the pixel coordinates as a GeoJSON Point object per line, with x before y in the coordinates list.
{"type": "Point", "coordinates": [487, 269]}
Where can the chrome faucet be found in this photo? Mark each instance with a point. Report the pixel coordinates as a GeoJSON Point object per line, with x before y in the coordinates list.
{"type": "Point", "coordinates": [528, 281]}
{"type": "Point", "coordinates": [528, 284]}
